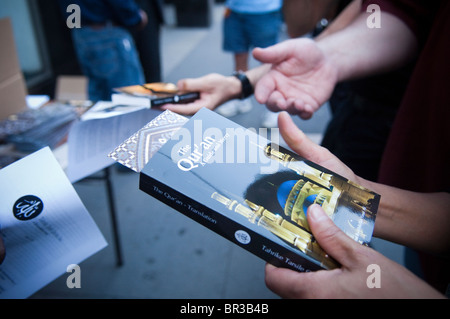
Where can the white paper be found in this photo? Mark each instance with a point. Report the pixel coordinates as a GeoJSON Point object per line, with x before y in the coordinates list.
{"type": "Point", "coordinates": [104, 109]}
{"type": "Point", "coordinates": [38, 250]}
{"type": "Point", "coordinates": [36, 101]}
{"type": "Point", "coordinates": [120, 98]}
{"type": "Point", "coordinates": [90, 141]}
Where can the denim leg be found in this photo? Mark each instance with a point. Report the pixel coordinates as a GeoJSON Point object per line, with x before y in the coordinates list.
{"type": "Point", "coordinates": [108, 58]}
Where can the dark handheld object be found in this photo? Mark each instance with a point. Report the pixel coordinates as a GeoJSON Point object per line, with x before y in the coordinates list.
{"type": "Point", "coordinates": [181, 98]}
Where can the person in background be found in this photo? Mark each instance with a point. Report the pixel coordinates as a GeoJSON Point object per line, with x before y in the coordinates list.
{"type": "Point", "coordinates": [302, 17]}
{"type": "Point", "coordinates": [147, 40]}
{"type": "Point", "coordinates": [105, 48]}
{"type": "Point", "coordinates": [366, 105]}
{"type": "Point", "coordinates": [248, 24]}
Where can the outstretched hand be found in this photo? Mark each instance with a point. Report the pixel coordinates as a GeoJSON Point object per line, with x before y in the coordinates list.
{"type": "Point", "coordinates": [301, 78]}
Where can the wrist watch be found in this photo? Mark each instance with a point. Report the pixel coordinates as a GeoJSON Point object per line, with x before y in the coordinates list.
{"type": "Point", "coordinates": [247, 88]}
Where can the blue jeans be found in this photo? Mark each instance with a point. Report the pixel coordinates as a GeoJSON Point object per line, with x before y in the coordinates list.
{"type": "Point", "coordinates": [243, 31]}
{"type": "Point", "coordinates": [109, 59]}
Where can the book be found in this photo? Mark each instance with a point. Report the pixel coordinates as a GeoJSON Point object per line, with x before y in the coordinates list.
{"type": "Point", "coordinates": [253, 192]}
{"type": "Point", "coordinates": [157, 94]}
{"type": "Point", "coordinates": [136, 151]}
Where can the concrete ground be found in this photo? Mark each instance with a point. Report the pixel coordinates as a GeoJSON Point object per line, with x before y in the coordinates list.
{"type": "Point", "coordinates": [165, 254]}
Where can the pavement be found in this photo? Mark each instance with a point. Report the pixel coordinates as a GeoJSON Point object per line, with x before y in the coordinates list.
{"type": "Point", "coordinates": [165, 254]}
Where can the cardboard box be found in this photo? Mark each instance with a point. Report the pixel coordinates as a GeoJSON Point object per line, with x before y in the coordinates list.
{"type": "Point", "coordinates": [13, 90]}
{"type": "Point", "coordinates": [255, 193]}
{"type": "Point", "coordinates": [71, 88]}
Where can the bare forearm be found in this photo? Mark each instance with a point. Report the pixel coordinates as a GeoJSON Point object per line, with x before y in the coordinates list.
{"type": "Point", "coordinates": [257, 73]}
{"type": "Point", "coordinates": [359, 51]}
{"type": "Point", "coordinates": [417, 220]}
{"type": "Point", "coordinates": [346, 17]}
{"type": "Point", "coordinates": [233, 85]}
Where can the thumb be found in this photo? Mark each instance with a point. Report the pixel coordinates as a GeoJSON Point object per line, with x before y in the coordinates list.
{"type": "Point", "coordinates": [299, 142]}
{"type": "Point", "coordinates": [187, 85]}
{"type": "Point", "coordinates": [273, 54]}
{"type": "Point", "coordinates": [331, 238]}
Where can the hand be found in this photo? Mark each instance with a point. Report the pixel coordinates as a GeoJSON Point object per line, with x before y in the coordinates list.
{"type": "Point", "coordinates": [354, 277]}
{"type": "Point", "coordinates": [349, 281]}
{"type": "Point", "coordinates": [214, 89]}
{"type": "Point", "coordinates": [144, 20]}
{"type": "Point", "coordinates": [303, 146]}
{"type": "Point", "coordinates": [301, 78]}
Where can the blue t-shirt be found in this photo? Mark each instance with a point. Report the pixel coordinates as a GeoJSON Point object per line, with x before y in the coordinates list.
{"type": "Point", "coordinates": [254, 6]}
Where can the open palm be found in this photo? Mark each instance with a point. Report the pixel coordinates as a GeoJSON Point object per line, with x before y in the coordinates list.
{"type": "Point", "coordinates": [301, 78]}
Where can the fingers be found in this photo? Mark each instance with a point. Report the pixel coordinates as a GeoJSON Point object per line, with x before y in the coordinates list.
{"type": "Point", "coordinates": [276, 102]}
{"type": "Point", "coordinates": [284, 282]}
{"type": "Point", "coordinates": [297, 140]}
{"type": "Point", "coordinates": [291, 284]}
{"type": "Point", "coordinates": [197, 84]}
{"type": "Point", "coordinates": [263, 89]}
{"type": "Point", "coordinates": [273, 54]}
{"type": "Point", "coordinates": [331, 238]}
{"type": "Point", "coordinates": [183, 109]}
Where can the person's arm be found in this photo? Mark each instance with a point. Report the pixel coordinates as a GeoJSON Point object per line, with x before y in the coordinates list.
{"type": "Point", "coordinates": [417, 220]}
{"type": "Point", "coordinates": [214, 89]}
{"type": "Point", "coordinates": [347, 16]}
{"type": "Point", "coordinates": [351, 280]}
{"type": "Point", "coordinates": [304, 73]}
{"type": "Point", "coordinates": [302, 16]}
{"type": "Point", "coordinates": [358, 50]}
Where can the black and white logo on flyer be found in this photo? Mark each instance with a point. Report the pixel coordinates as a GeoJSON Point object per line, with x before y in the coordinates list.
{"type": "Point", "coordinates": [27, 207]}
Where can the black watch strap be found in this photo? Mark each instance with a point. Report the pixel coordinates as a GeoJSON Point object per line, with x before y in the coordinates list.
{"type": "Point", "coordinates": [247, 88]}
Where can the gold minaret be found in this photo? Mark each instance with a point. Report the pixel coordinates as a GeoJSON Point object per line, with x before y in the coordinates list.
{"type": "Point", "coordinates": [279, 226]}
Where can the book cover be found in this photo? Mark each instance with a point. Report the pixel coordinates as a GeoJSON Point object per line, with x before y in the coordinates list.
{"type": "Point", "coordinates": [253, 192]}
{"type": "Point", "coordinates": [158, 93]}
{"type": "Point", "coordinates": [137, 150]}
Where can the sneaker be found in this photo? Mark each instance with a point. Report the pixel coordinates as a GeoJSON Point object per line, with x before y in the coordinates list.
{"type": "Point", "coordinates": [270, 119]}
{"type": "Point", "coordinates": [244, 106]}
{"type": "Point", "coordinates": [227, 109]}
